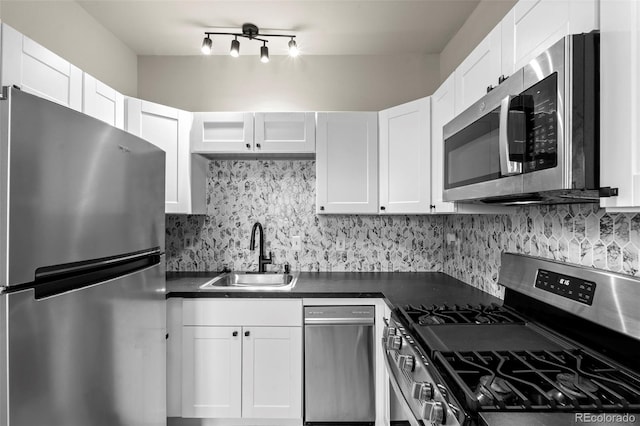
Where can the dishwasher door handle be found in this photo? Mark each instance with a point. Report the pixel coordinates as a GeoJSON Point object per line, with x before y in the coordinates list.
{"type": "Point", "coordinates": [339, 321]}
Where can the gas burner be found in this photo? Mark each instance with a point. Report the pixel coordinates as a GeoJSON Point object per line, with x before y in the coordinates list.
{"type": "Point", "coordinates": [573, 386]}
{"type": "Point", "coordinates": [483, 319]}
{"type": "Point", "coordinates": [431, 319]}
{"type": "Point", "coordinates": [489, 386]}
{"type": "Point", "coordinates": [580, 380]}
{"type": "Point", "coordinates": [467, 314]}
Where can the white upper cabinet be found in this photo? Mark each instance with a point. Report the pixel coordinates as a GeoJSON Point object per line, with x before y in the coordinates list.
{"type": "Point", "coordinates": [405, 175]}
{"type": "Point", "coordinates": [347, 162]}
{"type": "Point", "coordinates": [620, 103]}
{"type": "Point", "coordinates": [285, 132]}
{"type": "Point", "coordinates": [442, 111]}
{"type": "Point", "coordinates": [246, 133]}
{"type": "Point", "coordinates": [532, 26]}
{"type": "Point", "coordinates": [39, 71]}
{"type": "Point", "coordinates": [168, 128]}
{"type": "Point", "coordinates": [222, 132]}
{"type": "Point", "coordinates": [102, 102]}
{"type": "Point", "coordinates": [478, 71]}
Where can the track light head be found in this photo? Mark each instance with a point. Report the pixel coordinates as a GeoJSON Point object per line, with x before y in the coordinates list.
{"type": "Point", "coordinates": [264, 54]}
{"type": "Point", "coordinates": [207, 46]}
{"type": "Point", "coordinates": [293, 48]}
{"type": "Point", "coordinates": [235, 48]}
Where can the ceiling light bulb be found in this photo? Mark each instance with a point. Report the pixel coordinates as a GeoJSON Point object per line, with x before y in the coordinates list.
{"type": "Point", "coordinates": [235, 48]}
{"type": "Point", "coordinates": [264, 54]}
{"type": "Point", "coordinates": [207, 45]}
{"type": "Point", "coordinates": [293, 48]}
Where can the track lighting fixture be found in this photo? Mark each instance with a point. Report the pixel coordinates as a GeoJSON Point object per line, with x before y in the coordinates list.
{"type": "Point", "coordinates": [207, 45]}
{"type": "Point", "coordinates": [235, 48]}
{"type": "Point", "coordinates": [264, 53]}
{"type": "Point", "coordinates": [251, 32]}
{"type": "Point", "coordinates": [293, 48]}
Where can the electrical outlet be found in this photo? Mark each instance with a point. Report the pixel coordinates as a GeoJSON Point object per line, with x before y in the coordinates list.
{"type": "Point", "coordinates": [296, 243]}
{"type": "Point", "coordinates": [340, 244]}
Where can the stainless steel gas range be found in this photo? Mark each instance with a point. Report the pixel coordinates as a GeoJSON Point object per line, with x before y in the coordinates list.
{"type": "Point", "coordinates": [563, 349]}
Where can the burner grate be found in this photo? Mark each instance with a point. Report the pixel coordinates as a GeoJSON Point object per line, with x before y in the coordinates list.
{"type": "Point", "coordinates": [467, 314]}
{"type": "Point", "coordinates": [567, 380]}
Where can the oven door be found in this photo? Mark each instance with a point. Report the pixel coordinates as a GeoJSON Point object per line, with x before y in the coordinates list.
{"type": "Point", "coordinates": [402, 392]}
{"type": "Point", "coordinates": [484, 147]}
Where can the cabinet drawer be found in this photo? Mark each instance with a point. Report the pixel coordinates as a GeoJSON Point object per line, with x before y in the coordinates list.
{"type": "Point", "coordinates": [260, 312]}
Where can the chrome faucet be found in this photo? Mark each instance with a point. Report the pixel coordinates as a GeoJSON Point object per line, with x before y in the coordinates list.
{"type": "Point", "coordinates": [262, 260]}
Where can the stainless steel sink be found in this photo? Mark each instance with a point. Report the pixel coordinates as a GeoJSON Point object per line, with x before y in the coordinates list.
{"type": "Point", "coordinates": [252, 281]}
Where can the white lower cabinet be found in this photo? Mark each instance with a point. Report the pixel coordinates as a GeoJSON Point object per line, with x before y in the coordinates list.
{"type": "Point", "coordinates": [240, 359]}
{"type": "Point", "coordinates": [272, 372]}
{"type": "Point", "coordinates": [211, 372]}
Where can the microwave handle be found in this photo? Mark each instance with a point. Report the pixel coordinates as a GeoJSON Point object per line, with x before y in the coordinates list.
{"type": "Point", "coordinates": [507, 167]}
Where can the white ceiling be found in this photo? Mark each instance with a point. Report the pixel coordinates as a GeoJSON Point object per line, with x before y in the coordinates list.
{"type": "Point", "coordinates": [337, 27]}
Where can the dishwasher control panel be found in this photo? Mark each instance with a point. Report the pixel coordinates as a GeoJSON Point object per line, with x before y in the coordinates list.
{"type": "Point", "coordinates": [339, 314]}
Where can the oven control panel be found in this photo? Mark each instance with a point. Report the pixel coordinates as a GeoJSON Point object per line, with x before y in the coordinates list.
{"type": "Point", "coordinates": [563, 285]}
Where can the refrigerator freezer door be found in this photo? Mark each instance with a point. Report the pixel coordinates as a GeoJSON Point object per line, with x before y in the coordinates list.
{"type": "Point", "coordinates": [94, 356]}
{"type": "Point", "coordinates": [79, 189]}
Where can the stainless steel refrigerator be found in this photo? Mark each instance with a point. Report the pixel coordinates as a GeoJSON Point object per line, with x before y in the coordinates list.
{"type": "Point", "coordinates": [82, 309]}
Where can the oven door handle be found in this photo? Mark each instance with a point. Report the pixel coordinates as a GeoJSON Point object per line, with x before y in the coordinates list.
{"type": "Point", "coordinates": [413, 420]}
{"type": "Point", "coordinates": [507, 167]}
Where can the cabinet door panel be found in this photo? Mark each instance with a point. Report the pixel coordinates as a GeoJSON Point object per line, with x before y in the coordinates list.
{"type": "Point", "coordinates": [534, 25]}
{"type": "Point", "coordinates": [285, 132]}
{"type": "Point", "coordinates": [405, 158]}
{"type": "Point", "coordinates": [168, 129]}
{"type": "Point", "coordinates": [39, 71]}
{"type": "Point", "coordinates": [220, 132]}
{"type": "Point", "coordinates": [211, 372]}
{"type": "Point", "coordinates": [478, 71]}
{"type": "Point", "coordinates": [102, 102]}
{"type": "Point", "coordinates": [347, 162]}
{"type": "Point", "coordinates": [272, 372]}
{"type": "Point", "coordinates": [442, 111]}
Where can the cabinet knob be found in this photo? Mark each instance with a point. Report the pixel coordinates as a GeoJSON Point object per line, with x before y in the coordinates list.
{"type": "Point", "coordinates": [383, 208]}
{"type": "Point", "coordinates": [501, 79]}
{"type": "Point", "coordinates": [246, 334]}
{"type": "Point", "coordinates": [321, 207]}
{"type": "Point", "coordinates": [248, 146]}
{"type": "Point", "coordinates": [258, 145]}
{"type": "Point", "coordinates": [235, 334]}
{"type": "Point", "coordinates": [490, 88]}
{"type": "Point", "coordinates": [432, 206]}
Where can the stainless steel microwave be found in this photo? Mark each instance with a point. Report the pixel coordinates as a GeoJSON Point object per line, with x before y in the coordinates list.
{"type": "Point", "coordinates": [535, 137]}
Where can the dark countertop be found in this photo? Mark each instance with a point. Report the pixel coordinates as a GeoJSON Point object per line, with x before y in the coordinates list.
{"type": "Point", "coordinates": [398, 288]}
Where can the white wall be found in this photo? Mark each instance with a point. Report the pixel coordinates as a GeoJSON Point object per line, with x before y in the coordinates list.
{"type": "Point", "coordinates": [483, 19]}
{"type": "Point", "coordinates": [65, 28]}
{"type": "Point", "coordinates": [312, 82]}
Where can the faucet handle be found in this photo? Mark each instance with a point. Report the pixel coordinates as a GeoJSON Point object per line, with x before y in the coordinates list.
{"type": "Point", "coordinates": [270, 259]}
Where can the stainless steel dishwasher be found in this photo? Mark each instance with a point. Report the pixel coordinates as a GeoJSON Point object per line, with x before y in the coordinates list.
{"type": "Point", "coordinates": [338, 364]}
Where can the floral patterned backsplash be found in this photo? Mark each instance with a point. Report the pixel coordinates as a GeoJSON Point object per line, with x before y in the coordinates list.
{"type": "Point", "coordinates": [578, 233]}
{"type": "Point", "coordinates": [280, 194]}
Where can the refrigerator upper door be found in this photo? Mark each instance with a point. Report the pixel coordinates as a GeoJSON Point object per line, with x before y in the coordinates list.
{"type": "Point", "coordinates": [79, 189]}
{"type": "Point", "coordinates": [95, 356]}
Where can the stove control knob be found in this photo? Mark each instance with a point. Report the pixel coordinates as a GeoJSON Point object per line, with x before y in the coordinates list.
{"type": "Point", "coordinates": [435, 412]}
{"type": "Point", "coordinates": [394, 343]}
{"type": "Point", "coordinates": [406, 362]}
{"type": "Point", "coordinates": [389, 331]}
{"type": "Point", "coordinates": [422, 391]}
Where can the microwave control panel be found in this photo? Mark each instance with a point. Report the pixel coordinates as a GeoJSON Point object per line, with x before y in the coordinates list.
{"type": "Point", "coordinates": [563, 285]}
{"type": "Point", "coordinates": [541, 124]}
